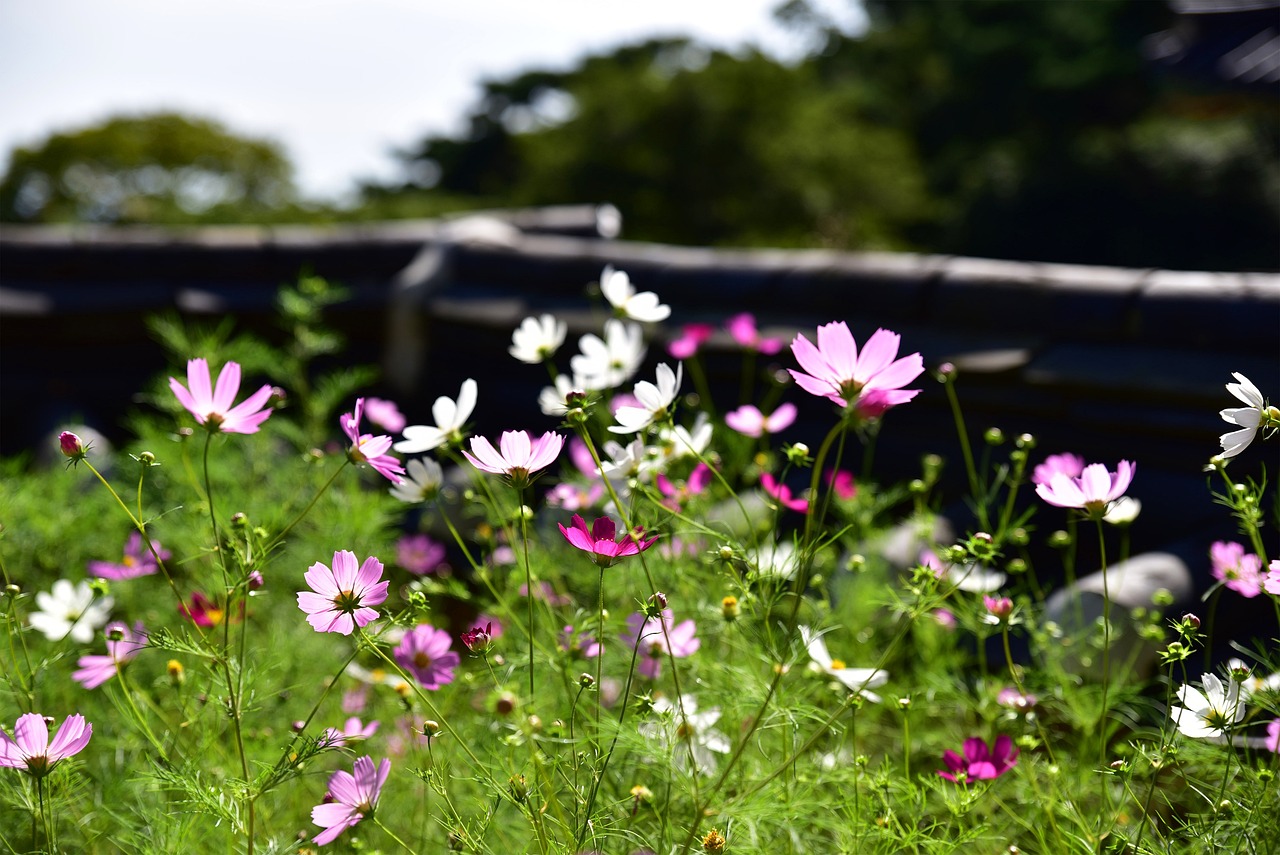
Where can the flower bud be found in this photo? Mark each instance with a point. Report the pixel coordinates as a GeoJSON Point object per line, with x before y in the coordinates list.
{"type": "Point", "coordinates": [518, 787]}
{"type": "Point", "coordinates": [1191, 620]}
{"type": "Point", "coordinates": [239, 519]}
{"type": "Point", "coordinates": [430, 728]}
{"type": "Point", "coordinates": [177, 674]}
{"type": "Point", "coordinates": [713, 843]}
{"type": "Point", "coordinates": [993, 436]}
{"type": "Point", "coordinates": [256, 582]}
{"type": "Point", "coordinates": [146, 458]}
{"type": "Point", "coordinates": [1025, 441]}
{"type": "Point", "coordinates": [729, 608]}
{"type": "Point", "coordinates": [1059, 539]}
{"type": "Point", "coordinates": [585, 680]}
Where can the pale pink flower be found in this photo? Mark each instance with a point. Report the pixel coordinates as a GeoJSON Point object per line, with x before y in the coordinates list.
{"type": "Point", "coordinates": [998, 609]}
{"type": "Point", "coordinates": [367, 448]}
{"type": "Point", "coordinates": [343, 596]}
{"type": "Point", "coordinates": [1273, 736]}
{"type": "Point", "coordinates": [574, 497]}
{"type": "Point", "coordinates": [783, 494]}
{"type": "Point", "coordinates": [30, 748]}
{"type": "Point", "coordinates": [385, 414]}
{"type": "Point", "coordinates": [352, 731]}
{"type": "Point", "coordinates": [122, 646]}
{"type": "Point", "coordinates": [834, 369]}
{"type": "Point", "coordinates": [691, 338]}
{"type": "Point", "coordinates": [743, 329]}
{"type": "Point", "coordinates": [1092, 491]}
{"type": "Point", "coordinates": [749, 421]}
{"type": "Point", "coordinates": [1272, 583]}
{"type": "Point", "coordinates": [1013, 699]}
{"type": "Point", "coordinates": [648, 635]}
{"type": "Point", "coordinates": [579, 644]}
{"type": "Point", "coordinates": [212, 407]}
{"type": "Point", "coordinates": [419, 554]}
{"type": "Point", "coordinates": [1239, 570]}
{"type": "Point", "coordinates": [678, 495]}
{"type": "Point", "coordinates": [519, 457]}
{"type": "Point", "coordinates": [425, 653]}
{"type": "Point", "coordinates": [945, 619]}
{"type": "Point", "coordinates": [1067, 463]}
{"type": "Point", "coordinates": [137, 561]}
{"type": "Point", "coordinates": [601, 542]}
{"type": "Point", "coordinates": [352, 796]}
{"type": "Point", "coordinates": [980, 763]}
{"type": "Point", "coordinates": [355, 700]}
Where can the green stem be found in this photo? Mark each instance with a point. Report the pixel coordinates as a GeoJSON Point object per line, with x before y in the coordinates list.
{"type": "Point", "coordinates": [392, 835]}
{"type": "Point", "coordinates": [975, 485]}
{"type": "Point", "coordinates": [324, 489]}
{"type": "Point", "coordinates": [1106, 662]}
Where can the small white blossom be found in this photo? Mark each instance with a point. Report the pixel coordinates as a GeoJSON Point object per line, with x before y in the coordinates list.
{"type": "Point", "coordinates": [857, 680]}
{"type": "Point", "coordinates": [688, 733]}
{"type": "Point", "coordinates": [1248, 418]}
{"type": "Point", "coordinates": [775, 560]}
{"type": "Point", "coordinates": [450, 417]}
{"type": "Point", "coordinates": [421, 483]}
{"type": "Point", "coordinates": [616, 287]}
{"type": "Point", "coordinates": [537, 339]}
{"type": "Point", "coordinates": [1211, 712]}
{"type": "Point", "coordinates": [70, 609]}
{"type": "Point", "coordinates": [655, 400]}
{"type": "Point", "coordinates": [1123, 511]}
{"type": "Point", "coordinates": [678, 442]}
{"type": "Point", "coordinates": [609, 362]}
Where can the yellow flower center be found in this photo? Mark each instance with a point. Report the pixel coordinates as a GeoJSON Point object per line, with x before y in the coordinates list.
{"type": "Point", "coordinates": [838, 665]}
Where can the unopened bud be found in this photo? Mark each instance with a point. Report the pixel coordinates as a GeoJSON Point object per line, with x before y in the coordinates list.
{"type": "Point", "coordinates": [146, 458]}
{"type": "Point", "coordinates": [518, 787]}
{"type": "Point", "coordinates": [729, 608]}
{"type": "Point", "coordinates": [177, 674]}
{"type": "Point", "coordinates": [713, 843]}
{"type": "Point", "coordinates": [993, 436]}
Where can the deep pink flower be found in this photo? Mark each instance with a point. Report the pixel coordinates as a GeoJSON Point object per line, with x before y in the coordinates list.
{"type": "Point", "coordinates": [1272, 583]}
{"type": "Point", "coordinates": [579, 644]}
{"type": "Point", "coordinates": [1067, 463]}
{"type": "Point", "coordinates": [72, 446]}
{"type": "Point", "coordinates": [1273, 736]}
{"type": "Point", "coordinates": [648, 635]}
{"type": "Point", "coordinates": [343, 596]}
{"type": "Point", "coordinates": [520, 456]}
{"type": "Point", "coordinates": [691, 338]}
{"type": "Point", "coordinates": [842, 483]}
{"type": "Point", "coordinates": [1239, 570]}
{"type": "Point", "coordinates": [122, 645]}
{"type": "Point", "coordinates": [749, 421]}
{"type": "Point", "coordinates": [979, 762]}
{"type": "Point", "coordinates": [352, 731]}
{"type": "Point", "coordinates": [137, 561]}
{"type": "Point", "coordinates": [203, 611]}
{"type": "Point", "coordinates": [782, 493]}
{"type": "Point", "coordinates": [367, 448]}
{"type": "Point", "coordinates": [419, 554]}
{"type": "Point", "coordinates": [385, 414]}
{"type": "Point", "coordinates": [352, 796]}
{"type": "Point", "coordinates": [478, 638]}
{"type": "Point", "coordinates": [676, 496]}
{"type": "Point", "coordinates": [835, 370]}
{"type": "Point", "coordinates": [425, 653]}
{"type": "Point", "coordinates": [213, 407]}
{"type": "Point", "coordinates": [743, 329]}
{"type": "Point", "coordinates": [600, 540]}
{"type": "Point", "coordinates": [1092, 491]}
{"type": "Point", "coordinates": [30, 748]}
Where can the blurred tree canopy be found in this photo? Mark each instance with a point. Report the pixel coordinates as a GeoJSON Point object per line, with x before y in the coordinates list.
{"type": "Point", "coordinates": [160, 167]}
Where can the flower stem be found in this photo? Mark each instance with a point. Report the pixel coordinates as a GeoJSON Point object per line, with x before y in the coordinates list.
{"type": "Point", "coordinates": [975, 486]}
{"type": "Point", "coordinates": [1106, 660]}
{"type": "Point", "coordinates": [392, 835]}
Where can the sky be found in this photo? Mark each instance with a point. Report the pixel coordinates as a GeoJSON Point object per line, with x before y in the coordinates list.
{"type": "Point", "coordinates": [340, 83]}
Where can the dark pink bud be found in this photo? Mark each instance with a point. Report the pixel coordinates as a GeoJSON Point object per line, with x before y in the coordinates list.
{"type": "Point", "coordinates": [71, 445]}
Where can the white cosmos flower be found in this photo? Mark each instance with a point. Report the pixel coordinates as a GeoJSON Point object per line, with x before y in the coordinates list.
{"type": "Point", "coordinates": [537, 339]}
{"type": "Point", "coordinates": [679, 442]}
{"type": "Point", "coordinates": [633, 460]}
{"type": "Point", "coordinates": [450, 416]}
{"type": "Point", "coordinates": [1123, 511]}
{"type": "Point", "coordinates": [775, 560]}
{"type": "Point", "coordinates": [655, 400]}
{"type": "Point", "coordinates": [609, 362]}
{"type": "Point", "coordinates": [70, 609]}
{"type": "Point", "coordinates": [1248, 418]}
{"type": "Point", "coordinates": [688, 733]}
{"type": "Point", "coordinates": [421, 482]}
{"type": "Point", "coordinates": [854, 679]}
{"type": "Point", "coordinates": [617, 289]}
{"type": "Point", "coordinates": [1211, 712]}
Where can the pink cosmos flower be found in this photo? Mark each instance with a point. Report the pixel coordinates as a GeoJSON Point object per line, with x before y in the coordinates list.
{"type": "Point", "coordinates": [425, 653]}
{"type": "Point", "coordinates": [691, 338]}
{"type": "Point", "coordinates": [212, 406]}
{"type": "Point", "coordinates": [842, 484]}
{"type": "Point", "coordinates": [579, 644]}
{"type": "Point", "coordinates": [343, 596]}
{"type": "Point", "coordinates": [491, 624]}
{"type": "Point", "coordinates": [1239, 570]}
{"type": "Point", "coordinates": [783, 494]}
{"type": "Point", "coordinates": [998, 609]}
{"type": "Point", "coordinates": [367, 448]}
{"type": "Point", "coordinates": [30, 748]}
{"type": "Point", "coordinates": [1272, 583]}
{"type": "Point", "coordinates": [945, 619]}
{"type": "Point", "coordinates": [574, 497]}
{"type": "Point", "coordinates": [980, 763]}
{"type": "Point", "coordinates": [478, 638]}
{"type": "Point", "coordinates": [203, 611]}
{"type": "Point", "coordinates": [749, 421]}
{"type": "Point", "coordinates": [743, 329]}
{"type": "Point", "coordinates": [676, 496]}
{"type": "Point", "coordinates": [648, 635]}
{"type": "Point", "coordinates": [1273, 736]}
{"type": "Point", "coordinates": [1068, 464]}
{"type": "Point", "coordinates": [600, 540]}
{"type": "Point", "coordinates": [355, 700]}
{"type": "Point", "coordinates": [122, 645]}
{"type": "Point", "coordinates": [419, 554]}
{"type": "Point", "coordinates": [520, 456]}
{"type": "Point", "coordinates": [1013, 699]}
{"type": "Point", "coordinates": [72, 446]}
{"type": "Point", "coordinates": [834, 369]}
{"type": "Point", "coordinates": [352, 731]}
{"type": "Point", "coordinates": [1092, 491]}
{"type": "Point", "coordinates": [349, 798]}
{"type": "Point", "coordinates": [385, 414]}
{"type": "Point", "coordinates": [137, 561]}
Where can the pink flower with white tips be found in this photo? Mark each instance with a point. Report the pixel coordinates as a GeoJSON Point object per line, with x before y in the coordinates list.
{"type": "Point", "coordinates": [353, 798]}
{"type": "Point", "coordinates": [341, 598]}
{"type": "Point", "coordinates": [367, 448]}
{"type": "Point", "coordinates": [31, 750]}
{"type": "Point", "coordinates": [212, 407]}
{"type": "Point", "coordinates": [519, 457]}
{"type": "Point", "coordinates": [834, 369]}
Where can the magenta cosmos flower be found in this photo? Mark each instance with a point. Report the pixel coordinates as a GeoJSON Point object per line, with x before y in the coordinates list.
{"type": "Point", "coordinates": [980, 763]}
{"type": "Point", "coordinates": [122, 646]}
{"type": "Point", "coordinates": [743, 329]}
{"type": "Point", "coordinates": [749, 421]}
{"type": "Point", "coordinates": [782, 493]}
{"type": "Point", "coordinates": [367, 448]}
{"type": "Point", "coordinates": [519, 457]}
{"type": "Point", "coordinates": [691, 338]}
{"type": "Point", "coordinates": [1239, 570]}
{"type": "Point", "coordinates": [30, 748]}
{"type": "Point", "coordinates": [137, 561]}
{"type": "Point", "coordinates": [419, 554]}
{"type": "Point", "coordinates": [600, 541]}
{"type": "Point", "coordinates": [343, 595]}
{"type": "Point", "coordinates": [842, 483]}
{"type": "Point", "coordinates": [649, 636]}
{"type": "Point", "coordinates": [349, 798]}
{"type": "Point", "coordinates": [1092, 491]}
{"type": "Point", "coordinates": [676, 495]}
{"type": "Point", "coordinates": [834, 369]}
{"type": "Point", "coordinates": [424, 652]}
{"type": "Point", "coordinates": [212, 407]}
{"type": "Point", "coordinates": [352, 731]}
